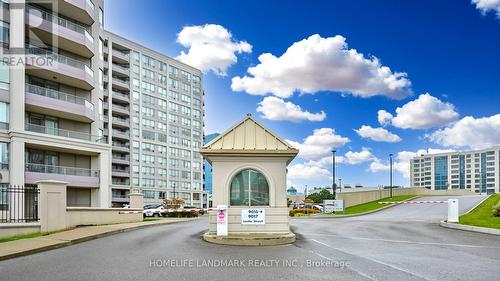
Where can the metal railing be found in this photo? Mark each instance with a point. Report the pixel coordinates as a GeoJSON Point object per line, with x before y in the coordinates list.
{"type": "Point", "coordinates": [120, 182]}
{"type": "Point", "coordinates": [61, 170]}
{"type": "Point", "coordinates": [18, 204]}
{"type": "Point", "coordinates": [47, 92]}
{"type": "Point", "coordinates": [121, 133]}
{"type": "Point", "coordinates": [34, 50]}
{"type": "Point", "coordinates": [76, 27]}
{"type": "Point", "coordinates": [121, 120]}
{"type": "Point", "coordinates": [64, 133]}
{"type": "Point", "coordinates": [118, 144]}
{"type": "Point", "coordinates": [118, 94]}
{"type": "Point", "coordinates": [117, 106]}
{"type": "Point", "coordinates": [122, 68]}
{"type": "Point", "coordinates": [118, 157]}
{"type": "Point", "coordinates": [121, 81]}
{"type": "Point", "coordinates": [121, 170]}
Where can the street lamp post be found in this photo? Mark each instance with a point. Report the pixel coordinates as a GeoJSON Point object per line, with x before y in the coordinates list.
{"type": "Point", "coordinates": [334, 188]}
{"type": "Point", "coordinates": [340, 185]}
{"type": "Point", "coordinates": [390, 163]}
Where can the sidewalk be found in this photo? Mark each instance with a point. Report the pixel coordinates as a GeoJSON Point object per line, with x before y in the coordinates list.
{"type": "Point", "coordinates": [29, 246]}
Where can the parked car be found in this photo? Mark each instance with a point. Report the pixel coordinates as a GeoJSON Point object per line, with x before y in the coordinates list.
{"type": "Point", "coordinates": [201, 211]}
{"type": "Point", "coordinates": [154, 211]}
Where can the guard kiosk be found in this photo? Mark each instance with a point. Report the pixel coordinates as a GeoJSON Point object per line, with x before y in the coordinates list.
{"type": "Point", "coordinates": [249, 167]}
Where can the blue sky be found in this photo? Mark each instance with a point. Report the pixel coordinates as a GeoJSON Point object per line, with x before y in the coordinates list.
{"type": "Point", "coordinates": [448, 49]}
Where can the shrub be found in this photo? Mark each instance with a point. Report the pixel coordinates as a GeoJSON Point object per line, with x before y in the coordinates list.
{"type": "Point", "coordinates": [496, 210]}
{"type": "Point", "coordinates": [303, 211]}
{"type": "Point", "coordinates": [182, 214]}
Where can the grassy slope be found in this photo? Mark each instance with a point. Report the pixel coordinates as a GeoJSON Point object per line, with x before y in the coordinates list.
{"type": "Point", "coordinates": [370, 206]}
{"type": "Point", "coordinates": [481, 216]}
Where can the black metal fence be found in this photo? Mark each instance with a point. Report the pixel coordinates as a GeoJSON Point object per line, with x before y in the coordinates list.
{"type": "Point", "coordinates": [18, 204]}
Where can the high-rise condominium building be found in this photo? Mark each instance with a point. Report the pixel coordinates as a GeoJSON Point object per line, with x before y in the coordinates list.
{"type": "Point", "coordinates": [476, 170]}
{"type": "Point", "coordinates": [153, 115]}
{"type": "Point", "coordinates": [95, 110]}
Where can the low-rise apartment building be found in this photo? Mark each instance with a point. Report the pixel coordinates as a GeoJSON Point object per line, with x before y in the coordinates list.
{"type": "Point", "coordinates": [477, 170]}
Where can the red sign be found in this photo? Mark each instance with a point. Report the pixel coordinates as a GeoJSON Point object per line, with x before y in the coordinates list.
{"type": "Point", "coordinates": [221, 215]}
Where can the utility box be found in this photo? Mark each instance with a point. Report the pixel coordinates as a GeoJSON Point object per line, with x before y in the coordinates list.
{"type": "Point", "coordinates": [249, 167]}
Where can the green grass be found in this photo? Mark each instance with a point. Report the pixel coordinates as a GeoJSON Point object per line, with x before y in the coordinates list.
{"type": "Point", "coordinates": [481, 215]}
{"type": "Point", "coordinates": [24, 236]}
{"type": "Point", "coordinates": [370, 206]}
{"type": "Point", "coordinates": [151, 219]}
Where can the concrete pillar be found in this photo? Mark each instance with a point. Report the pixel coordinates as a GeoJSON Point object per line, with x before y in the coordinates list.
{"type": "Point", "coordinates": [17, 78]}
{"type": "Point", "coordinates": [52, 205]}
{"type": "Point", "coordinates": [102, 196]}
{"type": "Point", "coordinates": [136, 200]}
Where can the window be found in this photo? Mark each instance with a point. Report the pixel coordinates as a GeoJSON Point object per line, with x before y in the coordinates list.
{"type": "Point", "coordinates": [249, 188]}
{"type": "Point", "coordinates": [4, 77]}
{"type": "Point", "coordinates": [101, 18]}
{"type": "Point", "coordinates": [4, 113]}
{"type": "Point", "coordinates": [4, 155]}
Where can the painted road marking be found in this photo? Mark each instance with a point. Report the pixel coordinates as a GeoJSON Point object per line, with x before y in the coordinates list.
{"type": "Point", "coordinates": [374, 260]}
{"type": "Point", "coordinates": [403, 241]}
{"type": "Point", "coordinates": [415, 202]}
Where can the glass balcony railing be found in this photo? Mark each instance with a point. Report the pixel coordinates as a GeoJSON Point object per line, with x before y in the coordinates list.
{"type": "Point", "coordinates": [120, 182]}
{"type": "Point", "coordinates": [46, 92]}
{"type": "Point", "coordinates": [61, 21]}
{"type": "Point", "coordinates": [64, 133]}
{"type": "Point", "coordinates": [127, 171]}
{"type": "Point", "coordinates": [61, 170]}
{"type": "Point", "coordinates": [120, 120]}
{"type": "Point", "coordinates": [119, 157]}
{"type": "Point", "coordinates": [34, 50]}
{"type": "Point", "coordinates": [118, 94]}
{"type": "Point", "coordinates": [117, 106]}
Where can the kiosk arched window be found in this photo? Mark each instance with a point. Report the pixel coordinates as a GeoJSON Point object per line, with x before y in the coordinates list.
{"type": "Point", "coordinates": [249, 188]}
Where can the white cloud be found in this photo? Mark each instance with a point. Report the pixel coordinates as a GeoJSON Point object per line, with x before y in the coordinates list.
{"type": "Point", "coordinates": [307, 172]}
{"type": "Point", "coordinates": [377, 134]}
{"type": "Point", "coordinates": [384, 117]}
{"type": "Point", "coordinates": [362, 156]}
{"type": "Point", "coordinates": [274, 108]}
{"type": "Point", "coordinates": [423, 113]}
{"type": "Point", "coordinates": [211, 47]}
{"type": "Point", "coordinates": [322, 64]}
{"type": "Point", "coordinates": [319, 144]}
{"type": "Point", "coordinates": [486, 6]}
{"type": "Point", "coordinates": [470, 132]}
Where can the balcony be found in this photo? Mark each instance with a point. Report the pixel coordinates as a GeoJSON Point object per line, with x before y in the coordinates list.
{"type": "Point", "coordinates": [120, 84]}
{"type": "Point", "coordinates": [80, 10]}
{"type": "Point", "coordinates": [50, 65]}
{"type": "Point", "coordinates": [120, 182]}
{"type": "Point", "coordinates": [125, 135]}
{"type": "Point", "coordinates": [64, 133]}
{"type": "Point", "coordinates": [78, 177]}
{"type": "Point", "coordinates": [121, 70]}
{"type": "Point", "coordinates": [121, 147]}
{"type": "Point", "coordinates": [121, 97]}
{"type": "Point", "coordinates": [120, 56]}
{"type": "Point", "coordinates": [120, 122]}
{"type": "Point", "coordinates": [59, 104]}
{"type": "Point", "coordinates": [118, 159]}
{"type": "Point", "coordinates": [120, 198]}
{"type": "Point", "coordinates": [120, 173]}
{"type": "Point", "coordinates": [124, 110]}
{"type": "Point", "coordinates": [71, 36]}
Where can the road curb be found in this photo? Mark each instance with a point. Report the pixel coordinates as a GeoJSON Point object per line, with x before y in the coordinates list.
{"type": "Point", "coordinates": [353, 215]}
{"type": "Point", "coordinates": [83, 239]}
{"type": "Point", "coordinates": [470, 228]}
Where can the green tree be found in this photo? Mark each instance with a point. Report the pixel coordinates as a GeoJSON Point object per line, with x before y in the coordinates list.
{"type": "Point", "coordinates": [318, 197]}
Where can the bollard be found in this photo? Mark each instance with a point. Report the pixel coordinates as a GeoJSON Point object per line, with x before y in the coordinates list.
{"type": "Point", "coordinates": [452, 210]}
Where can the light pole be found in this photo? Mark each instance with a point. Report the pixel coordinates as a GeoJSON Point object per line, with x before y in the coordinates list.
{"type": "Point", "coordinates": [340, 185]}
{"type": "Point", "coordinates": [390, 163]}
{"type": "Point", "coordinates": [334, 188]}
